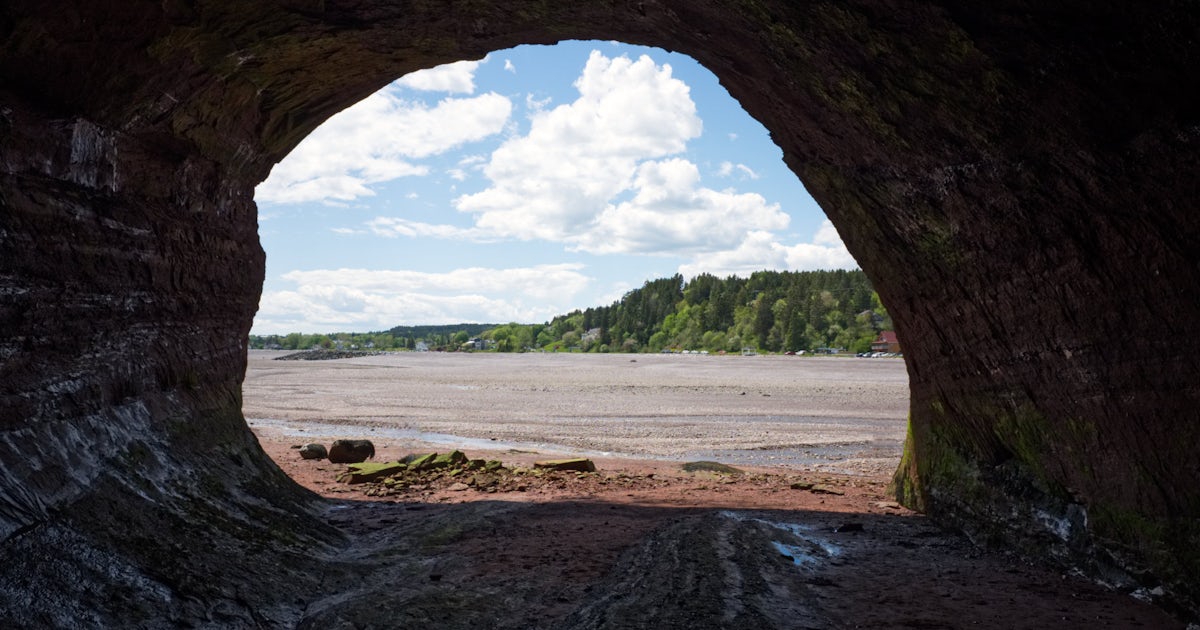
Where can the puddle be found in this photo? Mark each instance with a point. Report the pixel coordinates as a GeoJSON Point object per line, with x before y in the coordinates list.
{"type": "Point", "coordinates": [810, 552]}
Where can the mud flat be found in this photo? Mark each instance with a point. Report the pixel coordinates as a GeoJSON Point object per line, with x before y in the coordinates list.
{"type": "Point", "coordinates": [829, 413]}
{"type": "Point", "coordinates": [805, 536]}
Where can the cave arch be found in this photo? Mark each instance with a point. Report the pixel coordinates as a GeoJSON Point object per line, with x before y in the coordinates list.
{"type": "Point", "coordinates": [1017, 179]}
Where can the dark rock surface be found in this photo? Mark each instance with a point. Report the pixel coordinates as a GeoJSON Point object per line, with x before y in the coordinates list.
{"type": "Point", "coordinates": [1017, 178]}
{"type": "Point", "coordinates": [314, 451]}
{"type": "Point", "coordinates": [351, 451]}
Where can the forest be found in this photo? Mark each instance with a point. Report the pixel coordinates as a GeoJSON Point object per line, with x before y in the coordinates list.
{"type": "Point", "coordinates": [771, 311]}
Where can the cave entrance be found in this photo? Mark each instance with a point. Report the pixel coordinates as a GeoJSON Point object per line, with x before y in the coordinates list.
{"type": "Point", "coordinates": [612, 156]}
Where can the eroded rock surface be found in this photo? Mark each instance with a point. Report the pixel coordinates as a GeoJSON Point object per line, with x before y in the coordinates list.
{"type": "Point", "coordinates": [1017, 178]}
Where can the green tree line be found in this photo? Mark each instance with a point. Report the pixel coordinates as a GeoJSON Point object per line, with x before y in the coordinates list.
{"type": "Point", "coordinates": [771, 311]}
{"type": "Point", "coordinates": [436, 337]}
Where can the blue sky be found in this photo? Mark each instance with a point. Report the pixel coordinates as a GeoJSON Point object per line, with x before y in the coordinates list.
{"type": "Point", "coordinates": [535, 181]}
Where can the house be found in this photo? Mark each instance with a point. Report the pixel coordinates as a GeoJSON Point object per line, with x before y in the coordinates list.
{"type": "Point", "coordinates": [886, 342]}
{"type": "Point", "coordinates": [871, 316]}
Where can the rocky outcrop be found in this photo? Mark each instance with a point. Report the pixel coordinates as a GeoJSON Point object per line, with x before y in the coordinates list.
{"type": "Point", "coordinates": [1018, 179]}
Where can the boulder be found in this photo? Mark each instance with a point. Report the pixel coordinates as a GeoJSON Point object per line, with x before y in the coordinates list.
{"type": "Point", "coordinates": [351, 451]}
{"type": "Point", "coordinates": [313, 451]}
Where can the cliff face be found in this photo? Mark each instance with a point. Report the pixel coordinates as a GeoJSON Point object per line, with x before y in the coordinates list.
{"type": "Point", "coordinates": [1017, 179]}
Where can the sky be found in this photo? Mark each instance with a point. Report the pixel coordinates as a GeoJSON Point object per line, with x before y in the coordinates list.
{"type": "Point", "coordinates": [524, 185]}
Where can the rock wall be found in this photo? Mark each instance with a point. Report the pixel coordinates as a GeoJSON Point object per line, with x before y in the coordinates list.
{"type": "Point", "coordinates": [1018, 179]}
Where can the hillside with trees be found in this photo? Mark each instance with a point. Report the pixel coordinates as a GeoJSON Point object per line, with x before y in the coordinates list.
{"type": "Point", "coordinates": [771, 311]}
{"type": "Point", "coordinates": [444, 336]}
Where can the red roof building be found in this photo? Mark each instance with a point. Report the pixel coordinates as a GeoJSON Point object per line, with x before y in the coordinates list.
{"type": "Point", "coordinates": [886, 342]}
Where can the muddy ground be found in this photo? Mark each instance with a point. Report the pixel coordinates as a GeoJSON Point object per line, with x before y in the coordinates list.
{"type": "Point", "coordinates": [804, 537]}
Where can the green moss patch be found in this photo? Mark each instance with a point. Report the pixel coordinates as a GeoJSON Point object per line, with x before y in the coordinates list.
{"type": "Point", "coordinates": [713, 467]}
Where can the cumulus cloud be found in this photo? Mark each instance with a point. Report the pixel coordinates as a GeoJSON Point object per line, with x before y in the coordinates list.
{"type": "Point", "coordinates": [456, 78]}
{"type": "Point", "coordinates": [508, 65]}
{"type": "Point", "coordinates": [329, 300]}
{"type": "Point", "coordinates": [671, 213]}
{"type": "Point", "coordinates": [376, 140]}
{"type": "Point", "coordinates": [553, 182]}
{"type": "Point", "coordinates": [597, 174]}
{"type": "Point", "coordinates": [762, 250]}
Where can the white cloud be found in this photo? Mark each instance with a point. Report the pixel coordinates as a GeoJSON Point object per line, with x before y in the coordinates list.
{"type": "Point", "coordinates": [554, 182]}
{"type": "Point", "coordinates": [536, 105]}
{"type": "Point", "coordinates": [329, 300]}
{"type": "Point", "coordinates": [671, 214]}
{"type": "Point", "coordinates": [375, 141]}
{"type": "Point", "coordinates": [395, 227]}
{"type": "Point", "coordinates": [457, 78]}
{"type": "Point", "coordinates": [727, 168]}
{"type": "Point", "coordinates": [761, 250]}
{"type": "Point", "coordinates": [508, 65]}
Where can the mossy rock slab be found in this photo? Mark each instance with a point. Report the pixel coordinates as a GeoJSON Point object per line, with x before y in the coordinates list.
{"type": "Point", "coordinates": [371, 471]}
{"type": "Point", "coordinates": [715, 467]}
{"type": "Point", "coordinates": [419, 462]}
{"type": "Point", "coordinates": [453, 459]}
{"type": "Point", "coordinates": [579, 464]}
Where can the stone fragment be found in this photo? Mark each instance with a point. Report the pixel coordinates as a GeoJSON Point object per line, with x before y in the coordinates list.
{"type": "Point", "coordinates": [578, 464]}
{"type": "Point", "coordinates": [313, 451]}
{"type": "Point", "coordinates": [351, 451]}
{"type": "Point", "coordinates": [823, 489]}
{"type": "Point", "coordinates": [458, 487]}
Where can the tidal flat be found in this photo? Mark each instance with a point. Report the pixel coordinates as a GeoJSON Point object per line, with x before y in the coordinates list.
{"type": "Point", "coordinates": [838, 414]}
